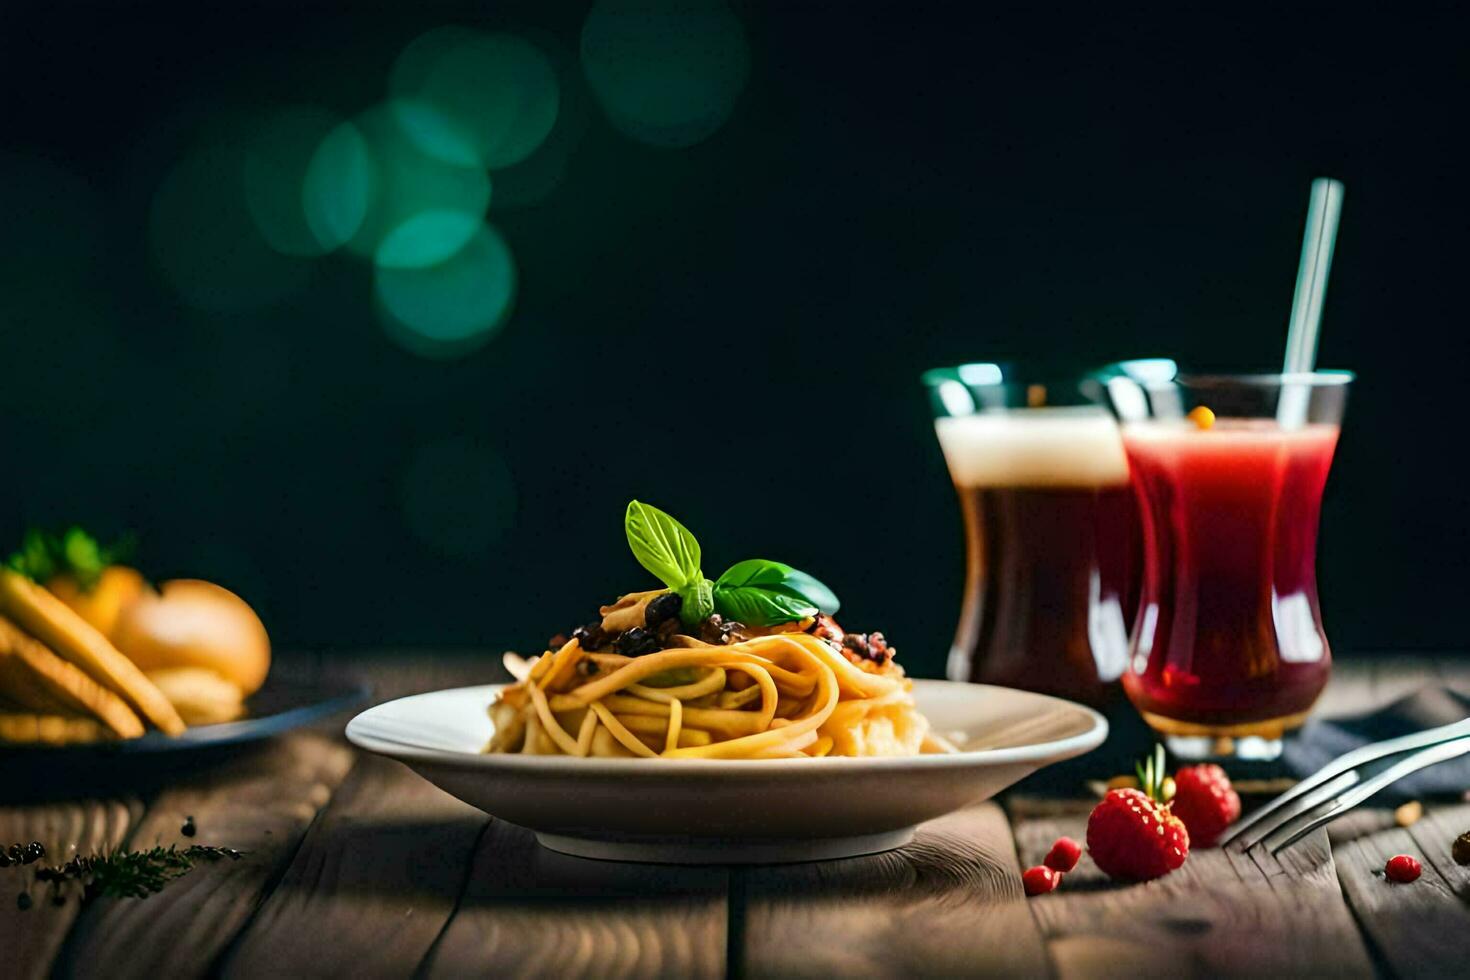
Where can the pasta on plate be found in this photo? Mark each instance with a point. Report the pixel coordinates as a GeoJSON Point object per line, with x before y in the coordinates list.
{"type": "Point", "coordinates": [665, 674]}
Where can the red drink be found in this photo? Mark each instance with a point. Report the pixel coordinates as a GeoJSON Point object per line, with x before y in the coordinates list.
{"type": "Point", "coordinates": [1051, 539]}
{"type": "Point", "coordinates": [1229, 638]}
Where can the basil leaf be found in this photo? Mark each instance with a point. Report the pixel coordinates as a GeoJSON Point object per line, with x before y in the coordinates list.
{"type": "Point", "coordinates": [756, 606]}
{"type": "Point", "coordinates": [663, 546]}
{"type": "Point", "coordinates": [698, 599]}
{"type": "Point", "coordinates": [801, 584]}
{"type": "Point", "coordinates": [774, 576]}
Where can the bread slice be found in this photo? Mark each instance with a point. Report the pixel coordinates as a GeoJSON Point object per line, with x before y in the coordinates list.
{"type": "Point", "coordinates": [36, 729]}
{"type": "Point", "coordinates": [33, 678]}
{"type": "Point", "coordinates": [53, 622]}
{"type": "Point", "coordinates": [199, 695]}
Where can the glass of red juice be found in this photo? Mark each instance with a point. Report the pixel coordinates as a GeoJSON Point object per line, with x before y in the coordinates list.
{"type": "Point", "coordinates": [1228, 651]}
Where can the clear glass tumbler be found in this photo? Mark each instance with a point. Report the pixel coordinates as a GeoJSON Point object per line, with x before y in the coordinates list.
{"type": "Point", "coordinates": [1050, 530]}
{"type": "Point", "coordinates": [1228, 650]}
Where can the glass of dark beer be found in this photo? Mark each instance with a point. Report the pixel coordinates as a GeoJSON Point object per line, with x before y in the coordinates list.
{"type": "Point", "coordinates": [1050, 530]}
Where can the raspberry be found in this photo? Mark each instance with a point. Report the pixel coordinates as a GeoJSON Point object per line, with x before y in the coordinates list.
{"type": "Point", "coordinates": [1402, 868]}
{"type": "Point", "coordinates": [1205, 801]}
{"type": "Point", "coordinates": [1040, 880]}
{"type": "Point", "coordinates": [1063, 854]}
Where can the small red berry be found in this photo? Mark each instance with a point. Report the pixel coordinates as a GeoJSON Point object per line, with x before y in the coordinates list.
{"type": "Point", "coordinates": [1063, 854]}
{"type": "Point", "coordinates": [1403, 868]}
{"type": "Point", "coordinates": [1205, 801]}
{"type": "Point", "coordinates": [1040, 880]}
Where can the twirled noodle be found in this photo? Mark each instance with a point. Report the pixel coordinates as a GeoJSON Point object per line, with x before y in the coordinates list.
{"type": "Point", "coordinates": [785, 695]}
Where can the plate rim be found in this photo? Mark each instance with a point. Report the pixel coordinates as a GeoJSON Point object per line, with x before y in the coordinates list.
{"type": "Point", "coordinates": [1038, 753]}
{"type": "Point", "coordinates": [342, 696]}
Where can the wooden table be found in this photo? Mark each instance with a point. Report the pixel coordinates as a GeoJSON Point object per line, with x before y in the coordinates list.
{"type": "Point", "coordinates": [356, 867]}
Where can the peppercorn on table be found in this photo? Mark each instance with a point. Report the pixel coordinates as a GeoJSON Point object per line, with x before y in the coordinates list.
{"type": "Point", "coordinates": [353, 866]}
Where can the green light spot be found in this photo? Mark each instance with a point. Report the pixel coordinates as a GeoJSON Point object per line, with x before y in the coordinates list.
{"type": "Point", "coordinates": [416, 61]}
{"type": "Point", "coordinates": [453, 307]}
{"type": "Point", "coordinates": [206, 243]}
{"type": "Point", "coordinates": [666, 72]}
{"type": "Point", "coordinates": [435, 132]}
{"type": "Point", "coordinates": [408, 180]}
{"type": "Point", "coordinates": [458, 497]}
{"type": "Point", "coordinates": [282, 153]}
{"type": "Point", "coordinates": [499, 90]}
{"type": "Point", "coordinates": [426, 239]}
{"type": "Point", "coordinates": [337, 187]}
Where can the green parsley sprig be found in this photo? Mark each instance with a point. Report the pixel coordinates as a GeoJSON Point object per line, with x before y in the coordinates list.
{"type": "Point", "coordinates": [43, 555]}
{"type": "Point", "coordinates": [134, 874]}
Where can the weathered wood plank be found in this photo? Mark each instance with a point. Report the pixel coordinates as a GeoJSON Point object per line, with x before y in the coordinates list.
{"type": "Point", "coordinates": [527, 911]}
{"type": "Point", "coordinates": [949, 903]}
{"type": "Point", "coordinates": [260, 803]}
{"type": "Point", "coordinates": [1222, 914]}
{"type": "Point", "coordinates": [1435, 835]}
{"type": "Point", "coordinates": [32, 937]}
{"type": "Point", "coordinates": [398, 673]}
{"type": "Point", "coordinates": [1418, 928]}
{"type": "Point", "coordinates": [371, 886]}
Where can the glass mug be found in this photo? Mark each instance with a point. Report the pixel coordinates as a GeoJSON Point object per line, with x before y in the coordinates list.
{"type": "Point", "coordinates": [1050, 531]}
{"type": "Point", "coordinates": [1228, 651]}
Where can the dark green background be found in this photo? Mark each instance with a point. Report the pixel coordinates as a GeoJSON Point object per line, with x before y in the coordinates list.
{"type": "Point", "coordinates": [734, 331]}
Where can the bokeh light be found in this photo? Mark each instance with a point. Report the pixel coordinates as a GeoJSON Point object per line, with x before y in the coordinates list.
{"type": "Point", "coordinates": [453, 307]}
{"type": "Point", "coordinates": [408, 182]}
{"type": "Point", "coordinates": [337, 187]}
{"type": "Point", "coordinates": [283, 151]}
{"type": "Point", "coordinates": [458, 496]}
{"type": "Point", "coordinates": [666, 72]}
{"type": "Point", "coordinates": [533, 180]}
{"type": "Point", "coordinates": [205, 241]}
{"type": "Point", "coordinates": [428, 238]}
{"type": "Point", "coordinates": [495, 96]}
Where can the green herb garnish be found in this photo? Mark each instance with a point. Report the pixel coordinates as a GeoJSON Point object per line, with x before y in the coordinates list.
{"type": "Point", "coordinates": [755, 591]}
{"type": "Point", "coordinates": [43, 555]}
{"type": "Point", "coordinates": [134, 874]}
{"type": "Point", "coordinates": [667, 549]}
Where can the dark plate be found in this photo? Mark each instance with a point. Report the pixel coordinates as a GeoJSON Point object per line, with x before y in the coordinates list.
{"type": "Point", "coordinates": [132, 764]}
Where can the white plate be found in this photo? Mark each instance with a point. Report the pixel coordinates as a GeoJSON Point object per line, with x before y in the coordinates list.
{"type": "Point", "coordinates": [689, 811]}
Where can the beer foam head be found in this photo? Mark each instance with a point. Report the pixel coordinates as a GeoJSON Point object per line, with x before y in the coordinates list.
{"type": "Point", "coordinates": [1038, 447]}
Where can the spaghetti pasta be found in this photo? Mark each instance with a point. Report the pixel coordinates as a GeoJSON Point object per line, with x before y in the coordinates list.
{"type": "Point", "coordinates": [823, 704]}
{"type": "Point", "coordinates": [670, 674]}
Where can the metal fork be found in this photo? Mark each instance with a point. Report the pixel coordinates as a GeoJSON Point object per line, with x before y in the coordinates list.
{"type": "Point", "coordinates": [1346, 782]}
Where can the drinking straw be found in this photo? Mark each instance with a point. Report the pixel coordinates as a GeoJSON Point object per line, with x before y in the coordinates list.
{"type": "Point", "coordinates": [1323, 211]}
{"type": "Point", "coordinates": [1311, 275]}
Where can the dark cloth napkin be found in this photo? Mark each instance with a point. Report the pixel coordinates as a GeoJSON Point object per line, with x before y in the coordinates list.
{"type": "Point", "coordinates": [1321, 741]}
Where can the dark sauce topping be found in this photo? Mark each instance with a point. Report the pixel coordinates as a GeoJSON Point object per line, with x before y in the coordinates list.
{"type": "Point", "coordinates": [589, 637]}
{"type": "Point", "coordinates": [720, 631]}
{"type": "Point", "coordinates": [189, 829]}
{"type": "Point", "coordinates": [824, 627]}
{"type": "Point", "coordinates": [661, 609]}
{"type": "Point", "coordinates": [868, 646]}
{"type": "Point", "coordinates": [636, 642]}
